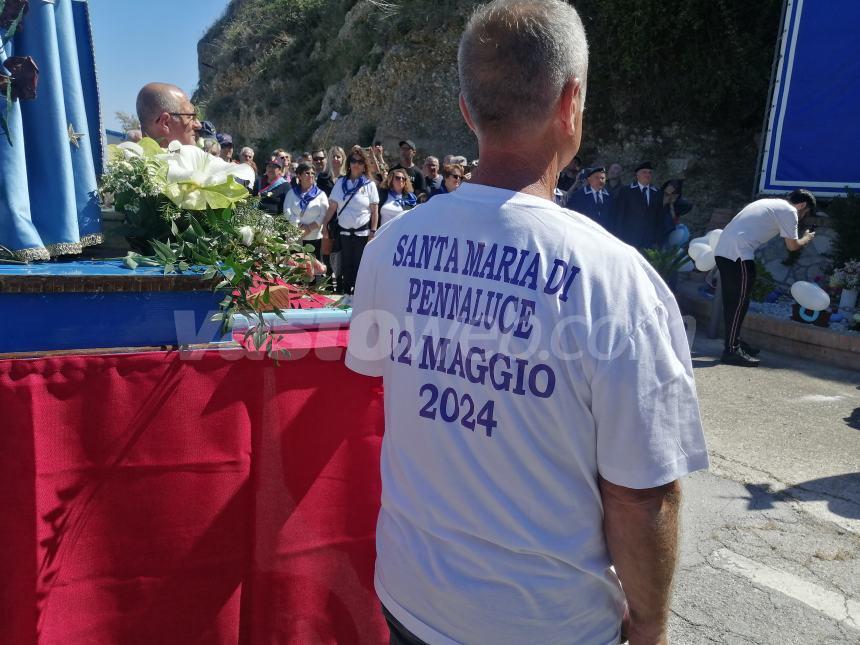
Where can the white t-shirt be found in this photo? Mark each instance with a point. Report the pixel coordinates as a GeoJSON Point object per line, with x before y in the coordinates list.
{"type": "Point", "coordinates": [357, 212]}
{"type": "Point", "coordinates": [490, 529]}
{"type": "Point", "coordinates": [313, 214]}
{"type": "Point", "coordinates": [389, 210]}
{"type": "Point", "coordinates": [754, 226]}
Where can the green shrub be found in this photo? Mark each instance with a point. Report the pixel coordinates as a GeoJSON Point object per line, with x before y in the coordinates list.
{"type": "Point", "coordinates": [845, 217]}
{"type": "Point", "coordinates": [764, 282]}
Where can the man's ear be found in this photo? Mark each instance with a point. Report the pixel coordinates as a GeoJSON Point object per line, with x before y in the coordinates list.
{"type": "Point", "coordinates": [161, 123]}
{"type": "Point", "coordinates": [464, 110]}
{"type": "Point", "coordinates": [570, 106]}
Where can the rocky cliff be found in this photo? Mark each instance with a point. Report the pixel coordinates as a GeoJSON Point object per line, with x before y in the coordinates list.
{"type": "Point", "coordinates": [683, 84]}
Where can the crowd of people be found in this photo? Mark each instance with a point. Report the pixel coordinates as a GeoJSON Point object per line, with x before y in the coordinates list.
{"type": "Point", "coordinates": [340, 198]}
{"type": "Point", "coordinates": [344, 198]}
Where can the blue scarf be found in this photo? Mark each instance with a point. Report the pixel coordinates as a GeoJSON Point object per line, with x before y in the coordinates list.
{"type": "Point", "coordinates": [305, 198]}
{"type": "Point", "coordinates": [405, 201]}
{"type": "Point", "coordinates": [361, 181]}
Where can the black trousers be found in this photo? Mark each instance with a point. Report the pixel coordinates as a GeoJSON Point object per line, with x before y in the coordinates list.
{"type": "Point", "coordinates": [317, 244]}
{"type": "Point", "coordinates": [351, 250]}
{"type": "Point", "coordinates": [736, 282]}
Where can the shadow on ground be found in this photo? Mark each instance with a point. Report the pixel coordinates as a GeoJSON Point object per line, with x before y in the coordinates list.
{"type": "Point", "coordinates": [841, 492]}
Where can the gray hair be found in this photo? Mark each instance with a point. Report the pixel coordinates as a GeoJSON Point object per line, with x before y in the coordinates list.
{"type": "Point", "coordinates": [211, 146]}
{"type": "Point", "coordinates": [246, 149]}
{"type": "Point", "coordinates": [515, 58]}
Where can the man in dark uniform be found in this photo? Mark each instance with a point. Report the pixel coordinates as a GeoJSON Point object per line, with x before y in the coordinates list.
{"type": "Point", "coordinates": [640, 211]}
{"type": "Point", "coordinates": [593, 199]}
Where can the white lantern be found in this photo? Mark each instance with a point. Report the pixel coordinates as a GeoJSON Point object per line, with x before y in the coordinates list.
{"type": "Point", "coordinates": [706, 261]}
{"type": "Point", "coordinates": [810, 296]}
{"type": "Point", "coordinates": [697, 250]}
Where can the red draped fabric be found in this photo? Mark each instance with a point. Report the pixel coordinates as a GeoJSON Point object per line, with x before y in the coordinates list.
{"type": "Point", "coordinates": [203, 497]}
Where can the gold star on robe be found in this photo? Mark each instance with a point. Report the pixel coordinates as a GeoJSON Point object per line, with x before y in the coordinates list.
{"type": "Point", "coordinates": [75, 137]}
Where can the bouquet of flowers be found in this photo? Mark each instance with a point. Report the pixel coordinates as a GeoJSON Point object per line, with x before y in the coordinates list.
{"type": "Point", "coordinates": [187, 212]}
{"type": "Point", "coordinates": [847, 276]}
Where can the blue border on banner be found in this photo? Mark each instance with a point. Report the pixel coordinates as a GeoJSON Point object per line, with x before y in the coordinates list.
{"type": "Point", "coordinates": [811, 140]}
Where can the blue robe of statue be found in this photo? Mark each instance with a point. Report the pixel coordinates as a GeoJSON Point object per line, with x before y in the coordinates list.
{"type": "Point", "coordinates": [48, 191]}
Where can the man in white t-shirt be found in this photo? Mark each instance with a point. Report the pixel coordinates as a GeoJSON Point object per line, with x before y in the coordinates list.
{"type": "Point", "coordinates": [539, 395]}
{"type": "Point", "coordinates": [755, 225]}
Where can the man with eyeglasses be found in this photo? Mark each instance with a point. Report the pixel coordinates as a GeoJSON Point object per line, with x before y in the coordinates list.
{"type": "Point", "coordinates": [166, 114]}
{"type": "Point", "coordinates": [325, 182]}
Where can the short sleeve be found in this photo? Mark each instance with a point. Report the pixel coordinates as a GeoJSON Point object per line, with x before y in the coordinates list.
{"type": "Point", "coordinates": [289, 209]}
{"type": "Point", "coordinates": [373, 193]}
{"type": "Point", "coordinates": [337, 193]}
{"type": "Point", "coordinates": [649, 431]}
{"type": "Point", "coordinates": [367, 349]}
{"type": "Point", "coordinates": [323, 208]}
{"type": "Point", "coordinates": [786, 219]}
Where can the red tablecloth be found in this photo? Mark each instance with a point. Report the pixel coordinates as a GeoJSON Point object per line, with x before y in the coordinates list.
{"type": "Point", "coordinates": [185, 498]}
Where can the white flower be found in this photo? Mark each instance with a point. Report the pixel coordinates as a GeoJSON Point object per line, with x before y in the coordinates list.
{"type": "Point", "coordinates": [130, 149]}
{"type": "Point", "coordinates": [246, 233]}
{"type": "Point", "coordinates": [186, 163]}
{"type": "Point", "coordinates": [245, 173]}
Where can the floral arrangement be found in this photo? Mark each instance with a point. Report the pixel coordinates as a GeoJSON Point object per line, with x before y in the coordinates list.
{"type": "Point", "coordinates": [186, 211]}
{"type": "Point", "coordinates": [847, 276]}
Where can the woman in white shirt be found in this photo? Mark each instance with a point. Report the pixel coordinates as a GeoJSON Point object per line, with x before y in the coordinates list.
{"type": "Point", "coordinates": [355, 202]}
{"type": "Point", "coordinates": [306, 205]}
{"type": "Point", "coordinates": [395, 196]}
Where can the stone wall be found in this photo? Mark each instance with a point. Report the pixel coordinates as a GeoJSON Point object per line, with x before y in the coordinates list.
{"type": "Point", "coordinates": [807, 264]}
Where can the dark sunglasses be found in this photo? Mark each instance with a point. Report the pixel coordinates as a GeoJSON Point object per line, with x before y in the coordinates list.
{"type": "Point", "coordinates": [356, 160]}
{"type": "Point", "coordinates": [457, 177]}
{"type": "Point", "coordinates": [319, 158]}
{"type": "Point", "coordinates": [399, 177]}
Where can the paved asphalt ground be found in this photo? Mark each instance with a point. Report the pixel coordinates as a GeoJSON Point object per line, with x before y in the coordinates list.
{"type": "Point", "coordinates": [771, 534]}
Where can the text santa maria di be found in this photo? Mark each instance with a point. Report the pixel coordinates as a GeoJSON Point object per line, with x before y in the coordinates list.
{"type": "Point", "coordinates": [493, 308]}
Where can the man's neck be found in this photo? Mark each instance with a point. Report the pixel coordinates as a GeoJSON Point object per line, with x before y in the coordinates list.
{"type": "Point", "coordinates": [409, 165]}
{"type": "Point", "coordinates": [513, 168]}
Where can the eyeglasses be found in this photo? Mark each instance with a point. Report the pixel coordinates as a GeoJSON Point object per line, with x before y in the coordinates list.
{"type": "Point", "coordinates": [191, 115]}
{"type": "Point", "coordinates": [356, 161]}
{"type": "Point", "coordinates": [457, 177]}
{"type": "Point", "coordinates": [399, 178]}
{"type": "Point", "coordinates": [319, 158]}
{"type": "Point", "coordinates": [310, 173]}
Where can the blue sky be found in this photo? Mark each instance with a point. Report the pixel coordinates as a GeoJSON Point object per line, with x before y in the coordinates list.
{"type": "Point", "coordinates": [138, 41]}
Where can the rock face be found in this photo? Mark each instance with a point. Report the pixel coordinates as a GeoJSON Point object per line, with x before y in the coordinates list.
{"type": "Point", "coordinates": [681, 84]}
